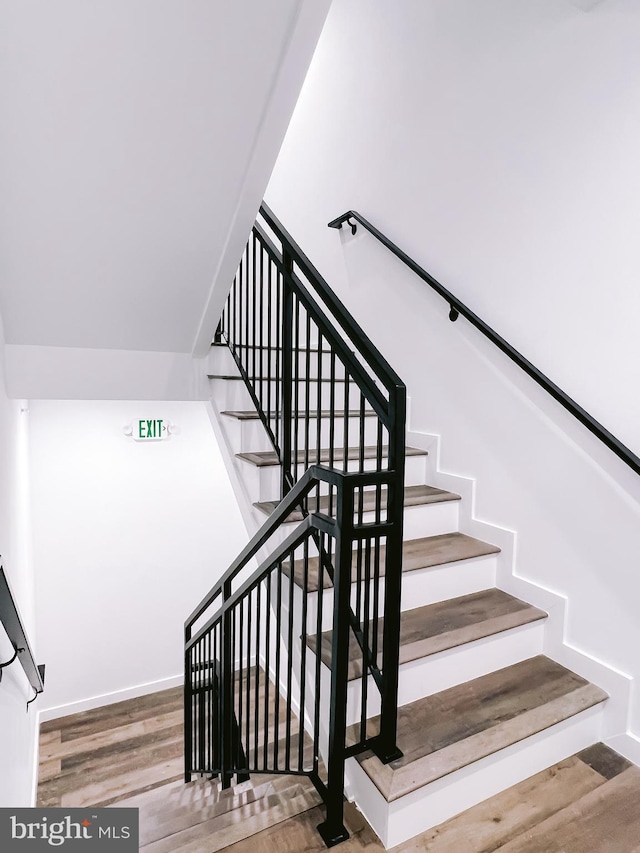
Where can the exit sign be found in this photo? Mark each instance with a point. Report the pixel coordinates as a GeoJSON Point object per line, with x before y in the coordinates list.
{"type": "Point", "coordinates": [154, 429]}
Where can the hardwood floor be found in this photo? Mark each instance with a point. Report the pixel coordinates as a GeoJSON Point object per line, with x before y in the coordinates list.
{"type": "Point", "coordinates": [130, 754]}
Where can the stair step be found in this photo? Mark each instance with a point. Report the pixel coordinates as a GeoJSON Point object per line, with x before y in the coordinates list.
{"type": "Point", "coordinates": [436, 627]}
{"type": "Point", "coordinates": [252, 414]}
{"type": "Point", "coordinates": [324, 379]}
{"type": "Point", "coordinates": [265, 458]}
{"type": "Point", "coordinates": [516, 812]}
{"type": "Point", "coordinates": [606, 818]}
{"type": "Point", "coordinates": [413, 496]}
{"type": "Point", "coordinates": [416, 554]}
{"type": "Point", "coordinates": [450, 730]}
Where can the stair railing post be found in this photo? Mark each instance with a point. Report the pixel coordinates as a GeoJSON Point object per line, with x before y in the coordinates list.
{"type": "Point", "coordinates": [188, 708]}
{"type": "Point", "coordinates": [226, 762]}
{"type": "Point", "coordinates": [386, 748]}
{"type": "Point", "coordinates": [288, 463]}
{"type": "Point", "coordinates": [333, 830]}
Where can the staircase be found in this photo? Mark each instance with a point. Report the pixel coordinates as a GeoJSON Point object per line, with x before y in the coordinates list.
{"type": "Point", "coordinates": [457, 701]}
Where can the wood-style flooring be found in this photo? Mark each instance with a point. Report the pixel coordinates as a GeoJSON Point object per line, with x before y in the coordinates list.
{"type": "Point", "coordinates": [130, 754]}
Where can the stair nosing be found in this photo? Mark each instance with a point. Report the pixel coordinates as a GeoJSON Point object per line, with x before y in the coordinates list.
{"type": "Point", "coordinates": [442, 496]}
{"type": "Point", "coordinates": [269, 458]}
{"type": "Point", "coordinates": [449, 639]}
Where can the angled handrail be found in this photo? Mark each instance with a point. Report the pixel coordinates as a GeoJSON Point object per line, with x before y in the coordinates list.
{"type": "Point", "coordinates": [457, 307]}
{"type": "Point", "coordinates": [373, 355]}
{"type": "Point", "coordinates": [14, 627]}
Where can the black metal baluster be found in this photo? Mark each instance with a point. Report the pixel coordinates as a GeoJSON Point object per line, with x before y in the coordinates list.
{"type": "Point", "coordinates": [332, 423]}
{"type": "Point", "coordinates": [276, 722]}
{"type": "Point", "coordinates": [267, 667]}
{"type": "Point", "coordinates": [287, 378]}
{"type": "Point", "coordinates": [289, 692]}
{"type": "Point", "coordinates": [256, 703]}
{"type": "Point", "coordinates": [319, 414]}
{"type": "Point", "coordinates": [296, 386]}
{"type": "Point", "coordinates": [188, 704]}
{"type": "Point", "coordinates": [249, 670]}
{"type": "Point", "coordinates": [303, 649]}
{"type": "Point", "coordinates": [273, 416]}
{"type": "Point", "coordinates": [318, 674]}
{"type": "Point", "coordinates": [307, 407]}
{"type": "Point", "coordinates": [279, 362]}
{"type": "Point", "coordinates": [240, 676]}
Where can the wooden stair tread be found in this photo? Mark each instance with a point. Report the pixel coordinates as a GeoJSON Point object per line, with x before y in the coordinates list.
{"type": "Point", "coordinates": [514, 812]}
{"type": "Point", "coordinates": [252, 414]}
{"type": "Point", "coordinates": [606, 818]}
{"type": "Point", "coordinates": [456, 727]}
{"type": "Point", "coordinates": [435, 627]}
{"type": "Point", "coordinates": [263, 458]}
{"type": "Point", "coordinates": [423, 553]}
{"type": "Point", "coordinates": [339, 379]}
{"type": "Point", "coordinates": [413, 496]}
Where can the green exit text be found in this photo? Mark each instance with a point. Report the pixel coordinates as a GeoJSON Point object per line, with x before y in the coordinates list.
{"type": "Point", "coordinates": [151, 429]}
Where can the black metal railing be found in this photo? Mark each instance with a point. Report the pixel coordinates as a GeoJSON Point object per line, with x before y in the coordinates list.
{"type": "Point", "coordinates": [335, 413]}
{"type": "Point", "coordinates": [14, 627]}
{"type": "Point", "coordinates": [458, 308]}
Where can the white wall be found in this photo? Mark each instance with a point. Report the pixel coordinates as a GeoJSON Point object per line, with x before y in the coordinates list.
{"type": "Point", "coordinates": [128, 536]}
{"type": "Point", "coordinates": [17, 727]}
{"type": "Point", "coordinates": [497, 143]}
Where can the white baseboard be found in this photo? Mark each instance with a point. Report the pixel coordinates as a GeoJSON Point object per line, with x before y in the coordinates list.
{"type": "Point", "coordinates": [109, 698]}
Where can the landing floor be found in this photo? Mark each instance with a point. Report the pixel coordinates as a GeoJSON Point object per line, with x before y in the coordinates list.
{"type": "Point", "coordinates": [130, 754]}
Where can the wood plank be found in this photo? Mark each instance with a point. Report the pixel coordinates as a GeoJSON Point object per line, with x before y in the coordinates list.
{"type": "Point", "coordinates": [413, 496]}
{"type": "Point", "coordinates": [116, 714]}
{"type": "Point", "coordinates": [118, 735]}
{"type": "Point", "coordinates": [264, 458]}
{"type": "Point", "coordinates": [604, 760]}
{"type": "Point", "coordinates": [606, 819]}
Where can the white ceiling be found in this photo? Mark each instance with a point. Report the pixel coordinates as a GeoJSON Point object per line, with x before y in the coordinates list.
{"type": "Point", "coordinates": [129, 138]}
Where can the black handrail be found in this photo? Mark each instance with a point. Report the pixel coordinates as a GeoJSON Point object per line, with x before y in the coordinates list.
{"type": "Point", "coordinates": [459, 308]}
{"type": "Point", "coordinates": [12, 623]}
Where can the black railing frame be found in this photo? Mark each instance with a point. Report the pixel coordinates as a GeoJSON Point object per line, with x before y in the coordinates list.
{"type": "Point", "coordinates": [458, 308]}
{"type": "Point", "coordinates": [342, 527]}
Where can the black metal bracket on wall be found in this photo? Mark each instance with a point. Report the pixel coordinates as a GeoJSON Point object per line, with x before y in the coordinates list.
{"type": "Point", "coordinates": [14, 627]}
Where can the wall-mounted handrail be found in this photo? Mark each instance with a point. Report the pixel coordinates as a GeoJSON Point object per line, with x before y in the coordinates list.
{"type": "Point", "coordinates": [14, 627]}
{"type": "Point", "coordinates": [459, 308]}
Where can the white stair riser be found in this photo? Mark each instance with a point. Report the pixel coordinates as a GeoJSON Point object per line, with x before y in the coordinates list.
{"type": "Point", "coordinates": [437, 672]}
{"type": "Point", "coordinates": [431, 805]}
{"type": "Point", "coordinates": [221, 361]}
{"type": "Point", "coordinates": [253, 435]}
{"type": "Point", "coordinates": [422, 520]}
{"type": "Point", "coordinates": [269, 475]}
{"type": "Point", "coordinates": [232, 394]}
